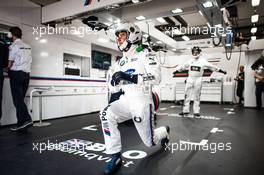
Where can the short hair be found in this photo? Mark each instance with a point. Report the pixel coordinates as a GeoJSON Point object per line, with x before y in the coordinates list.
{"type": "Point", "coordinates": [16, 31]}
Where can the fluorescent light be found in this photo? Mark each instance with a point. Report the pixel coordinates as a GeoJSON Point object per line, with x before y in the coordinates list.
{"type": "Point", "coordinates": [255, 3]}
{"type": "Point", "coordinates": [174, 49]}
{"type": "Point", "coordinates": [177, 10]}
{"type": "Point", "coordinates": [161, 20]}
{"type": "Point", "coordinates": [208, 24]}
{"type": "Point", "coordinates": [208, 4]}
{"type": "Point", "coordinates": [159, 42]}
{"type": "Point", "coordinates": [254, 18]}
{"type": "Point", "coordinates": [43, 40]}
{"type": "Point", "coordinates": [135, 1]}
{"type": "Point", "coordinates": [145, 35]}
{"type": "Point", "coordinates": [253, 37]}
{"type": "Point", "coordinates": [185, 38]}
{"type": "Point", "coordinates": [140, 17]}
{"type": "Point", "coordinates": [254, 30]}
{"type": "Point", "coordinates": [102, 40]}
{"type": "Point", "coordinates": [36, 38]}
{"type": "Point", "coordinates": [200, 12]}
{"type": "Point", "coordinates": [44, 54]}
{"type": "Point", "coordinates": [218, 25]}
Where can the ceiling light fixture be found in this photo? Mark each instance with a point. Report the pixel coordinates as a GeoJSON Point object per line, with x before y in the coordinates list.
{"type": "Point", "coordinates": [135, 1]}
{"type": "Point", "coordinates": [208, 4]}
{"type": "Point", "coordinates": [139, 18]}
{"type": "Point", "coordinates": [161, 20]}
{"type": "Point", "coordinates": [254, 30]}
{"type": "Point", "coordinates": [254, 18]}
{"type": "Point", "coordinates": [255, 3]}
{"type": "Point", "coordinates": [185, 38]}
{"type": "Point", "coordinates": [43, 40]}
{"type": "Point", "coordinates": [177, 10]}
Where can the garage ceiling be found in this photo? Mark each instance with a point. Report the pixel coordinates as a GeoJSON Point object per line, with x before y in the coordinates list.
{"type": "Point", "coordinates": [153, 9]}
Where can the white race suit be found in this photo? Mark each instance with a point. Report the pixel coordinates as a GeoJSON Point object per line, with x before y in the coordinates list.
{"type": "Point", "coordinates": [135, 102]}
{"type": "Point", "coordinates": [195, 67]}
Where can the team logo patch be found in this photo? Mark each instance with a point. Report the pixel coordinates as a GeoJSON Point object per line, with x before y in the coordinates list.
{"type": "Point", "coordinates": [134, 59]}
{"type": "Point", "coordinates": [153, 63]}
{"type": "Point", "coordinates": [107, 132]}
{"type": "Point", "coordinates": [195, 68]}
{"type": "Point", "coordinates": [122, 63]}
{"type": "Point", "coordinates": [106, 128]}
{"type": "Point", "coordinates": [130, 71]}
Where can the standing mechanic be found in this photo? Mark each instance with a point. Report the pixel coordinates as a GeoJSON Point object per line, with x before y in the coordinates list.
{"type": "Point", "coordinates": [134, 73]}
{"type": "Point", "coordinates": [240, 84]}
{"type": "Point", "coordinates": [19, 65]}
{"type": "Point", "coordinates": [258, 68]}
{"type": "Point", "coordinates": [196, 67]}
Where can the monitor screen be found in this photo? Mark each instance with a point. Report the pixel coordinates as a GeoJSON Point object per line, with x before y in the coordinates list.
{"type": "Point", "coordinates": [101, 60]}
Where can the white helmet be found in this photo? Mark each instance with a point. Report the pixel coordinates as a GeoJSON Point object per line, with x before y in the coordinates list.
{"type": "Point", "coordinates": [134, 35]}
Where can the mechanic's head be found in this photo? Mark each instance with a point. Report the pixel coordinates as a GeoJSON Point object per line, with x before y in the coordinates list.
{"type": "Point", "coordinates": [15, 33]}
{"type": "Point", "coordinates": [196, 52]}
{"type": "Point", "coordinates": [241, 68]}
{"type": "Point", "coordinates": [126, 35]}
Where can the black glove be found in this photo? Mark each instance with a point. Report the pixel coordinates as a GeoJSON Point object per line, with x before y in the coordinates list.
{"type": "Point", "coordinates": [118, 76]}
{"type": "Point", "coordinates": [222, 71]}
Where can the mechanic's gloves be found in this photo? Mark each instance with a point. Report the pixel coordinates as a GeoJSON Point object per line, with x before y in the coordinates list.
{"type": "Point", "coordinates": [222, 71]}
{"type": "Point", "coordinates": [118, 76]}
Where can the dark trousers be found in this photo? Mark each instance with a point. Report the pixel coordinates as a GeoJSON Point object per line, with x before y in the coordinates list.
{"type": "Point", "coordinates": [19, 82]}
{"type": "Point", "coordinates": [1, 93]}
{"type": "Point", "coordinates": [259, 91]}
{"type": "Point", "coordinates": [240, 89]}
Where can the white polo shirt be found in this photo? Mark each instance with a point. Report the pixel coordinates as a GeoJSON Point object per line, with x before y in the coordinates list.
{"type": "Point", "coordinates": [20, 53]}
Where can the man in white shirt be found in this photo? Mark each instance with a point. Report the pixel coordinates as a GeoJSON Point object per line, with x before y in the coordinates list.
{"type": "Point", "coordinates": [19, 65]}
